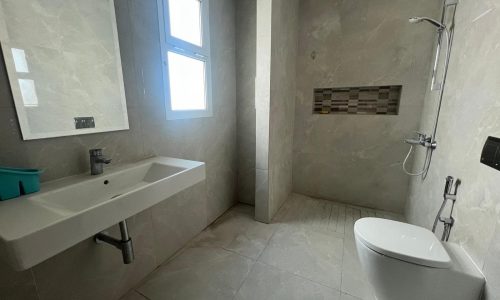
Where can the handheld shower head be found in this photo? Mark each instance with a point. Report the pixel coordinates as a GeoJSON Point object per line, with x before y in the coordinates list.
{"type": "Point", "coordinates": [415, 20]}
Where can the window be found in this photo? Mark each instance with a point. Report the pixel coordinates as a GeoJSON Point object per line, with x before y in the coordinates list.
{"type": "Point", "coordinates": [185, 48]}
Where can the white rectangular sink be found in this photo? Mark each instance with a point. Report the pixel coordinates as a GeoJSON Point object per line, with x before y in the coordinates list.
{"type": "Point", "coordinates": [36, 227]}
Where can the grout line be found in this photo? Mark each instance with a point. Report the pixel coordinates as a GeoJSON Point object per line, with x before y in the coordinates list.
{"type": "Point", "coordinates": [300, 276]}
{"type": "Point", "coordinates": [244, 280]}
{"type": "Point", "coordinates": [267, 244]}
{"type": "Point", "coordinates": [342, 263]}
{"type": "Point", "coordinates": [232, 251]}
{"type": "Point", "coordinates": [34, 282]}
{"type": "Point", "coordinates": [328, 222]}
{"type": "Point", "coordinates": [345, 293]}
{"type": "Point", "coordinates": [154, 234]}
{"type": "Point", "coordinates": [138, 292]}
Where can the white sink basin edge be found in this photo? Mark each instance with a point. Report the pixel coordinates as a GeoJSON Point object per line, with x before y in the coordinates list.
{"type": "Point", "coordinates": [65, 212]}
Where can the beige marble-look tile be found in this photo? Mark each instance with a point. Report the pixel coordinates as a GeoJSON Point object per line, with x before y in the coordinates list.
{"type": "Point", "coordinates": [246, 14]}
{"type": "Point", "coordinates": [262, 196]}
{"type": "Point", "coordinates": [237, 231]}
{"type": "Point", "coordinates": [284, 30]}
{"type": "Point", "coordinates": [18, 293]}
{"type": "Point", "coordinates": [133, 295]}
{"type": "Point", "coordinates": [350, 259]}
{"type": "Point", "coordinates": [246, 185]}
{"type": "Point", "coordinates": [345, 296]}
{"type": "Point", "coordinates": [355, 284]}
{"type": "Point", "coordinates": [312, 214]}
{"type": "Point", "coordinates": [178, 219]}
{"type": "Point", "coordinates": [312, 255]}
{"type": "Point", "coordinates": [349, 157]}
{"type": "Point", "coordinates": [353, 279]}
{"type": "Point", "coordinates": [267, 282]}
{"type": "Point", "coordinates": [96, 271]}
{"type": "Point", "coordinates": [87, 272]}
{"type": "Point", "coordinates": [352, 214]}
{"type": "Point", "coordinates": [198, 273]}
{"type": "Point", "coordinates": [464, 126]}
{"type": "Point", "coordinates": [491, 268]}
{"type": "Point", "coordinates": [305, 258]}
{"type": "Point", "coordinates": [16, 285]}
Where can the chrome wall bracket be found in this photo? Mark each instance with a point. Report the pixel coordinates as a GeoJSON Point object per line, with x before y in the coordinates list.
{"type": "Point", "coordinates": [449, 194]}
{"type": "Point", "coordinates": [124, 244]}
{"type": "Point", "coordinates": [451, 2]}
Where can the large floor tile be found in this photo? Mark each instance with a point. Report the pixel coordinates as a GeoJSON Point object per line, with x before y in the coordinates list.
{"type": "Point", "coordinates": [357, 286]}
{"type": "Point", "coordinates": [133, 295]}
{"type": "Point", "coordinates": [308, 252]}
{"type": "Point", "coordinates": [350, 260]}
{"type": "Point", "coordinates": [353, 279]}
{"type": "Point", "coordinates": [345, 296]}
{"type": "Point", "coordinates": [315, 256]}
{"type": "Point", "coordinates": [237, 231]}
{"type": "Point", "coordinates": [316, 215]}
{"type": "Point", "coordinates": [198, 273]}
{"type": "Point", "coordinates": [267, 282]}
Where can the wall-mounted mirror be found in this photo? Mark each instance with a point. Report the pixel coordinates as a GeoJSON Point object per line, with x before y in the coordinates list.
{"type": "Point", "coordinates": [64, 66]}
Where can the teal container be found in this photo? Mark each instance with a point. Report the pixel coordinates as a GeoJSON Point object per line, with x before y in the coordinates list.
{"type": "Point", "coordinates": [16, 182]}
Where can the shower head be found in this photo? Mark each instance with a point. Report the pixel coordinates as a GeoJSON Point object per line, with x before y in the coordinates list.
{"type": "Point", "coordinates": [415, 20]}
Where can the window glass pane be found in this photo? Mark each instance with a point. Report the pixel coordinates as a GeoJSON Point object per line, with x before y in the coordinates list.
{"type": "Point", "coordinates": [20, 61]}
{"type": "Point", "coordinates": [187, 82]}
{"type": "Point", "coordinates": [28, 92]}
{"type": "Point", "coordinates": [185, 20]}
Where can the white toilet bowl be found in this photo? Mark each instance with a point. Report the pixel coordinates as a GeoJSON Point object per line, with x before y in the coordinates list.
{"type": "Point", "coordinates": [407, 262]}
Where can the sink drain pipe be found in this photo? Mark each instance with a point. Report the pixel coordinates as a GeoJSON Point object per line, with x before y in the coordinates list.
{"type": "Point", "coordinates": [124, 244]}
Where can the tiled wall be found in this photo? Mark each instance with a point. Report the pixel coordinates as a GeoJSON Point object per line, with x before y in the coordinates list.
{"type": "Point", "coordinates": [350, 158]}
{"type": "Point", "coordinates": [87, 271]}
{"type": "Point", "coordinates": [281, 116]}
{"type": "Point", "coordinates": [470, 113]}
{"type": "Point", "coordinates": [246, 14]}
{"type": "Point", "coordinates": [277, 22]}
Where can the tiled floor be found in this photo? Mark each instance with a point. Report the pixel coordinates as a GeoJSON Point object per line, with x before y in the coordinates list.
{"type": "Point", "coordinates": [307, 253]}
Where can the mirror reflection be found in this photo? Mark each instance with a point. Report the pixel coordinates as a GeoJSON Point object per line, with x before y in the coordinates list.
{"type": "Point", "coordinates": [64, 67]}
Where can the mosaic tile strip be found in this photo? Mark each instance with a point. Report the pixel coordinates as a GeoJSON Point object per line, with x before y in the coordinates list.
{"type": "Point", "coordinates": [372, 100]}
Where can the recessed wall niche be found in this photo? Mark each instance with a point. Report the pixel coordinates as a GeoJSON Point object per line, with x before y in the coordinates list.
{"type": "Point", "coordinates": [371, 100]}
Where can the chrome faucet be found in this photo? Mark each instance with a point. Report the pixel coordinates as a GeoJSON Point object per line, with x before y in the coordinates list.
{"type": "Point", "coordinates": [97, 160]}
{"type": "Point", "coordinates": [422, 140]}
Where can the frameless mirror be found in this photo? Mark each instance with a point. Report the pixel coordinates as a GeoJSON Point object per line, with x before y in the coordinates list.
{"type": "Point", "coordinates": [64, 67]}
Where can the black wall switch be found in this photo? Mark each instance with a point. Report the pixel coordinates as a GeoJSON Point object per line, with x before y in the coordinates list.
{"type": "Point", "coordinates": [491, 153]}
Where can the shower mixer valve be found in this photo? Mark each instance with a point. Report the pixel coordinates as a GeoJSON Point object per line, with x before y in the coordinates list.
{"type": "Point", "coordinates": [422, 140]}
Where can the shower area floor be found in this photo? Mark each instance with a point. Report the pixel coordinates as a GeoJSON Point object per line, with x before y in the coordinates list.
{"type": "Point", "coordinates": [308, 252]}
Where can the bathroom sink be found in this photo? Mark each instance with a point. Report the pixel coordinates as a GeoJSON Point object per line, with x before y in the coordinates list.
{"type": "Point", "coordinates": [81, 196]}
{"type": "Point", "coordinates": [36, 227]}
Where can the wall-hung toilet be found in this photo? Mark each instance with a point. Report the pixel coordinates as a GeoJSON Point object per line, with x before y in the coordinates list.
{"type": "Point", "coordinates": [407, 262]}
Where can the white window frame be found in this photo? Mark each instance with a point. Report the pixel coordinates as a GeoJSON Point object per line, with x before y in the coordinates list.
{"type": "Point", "coordinates": [170, 43]}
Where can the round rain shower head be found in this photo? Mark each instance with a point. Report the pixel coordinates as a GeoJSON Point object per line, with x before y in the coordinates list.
{"type": "Point", "coordinates": [415, 20]}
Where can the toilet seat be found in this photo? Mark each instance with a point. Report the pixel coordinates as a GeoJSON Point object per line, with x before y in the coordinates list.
{"type": "Point", "coordinates": [402, 241]}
